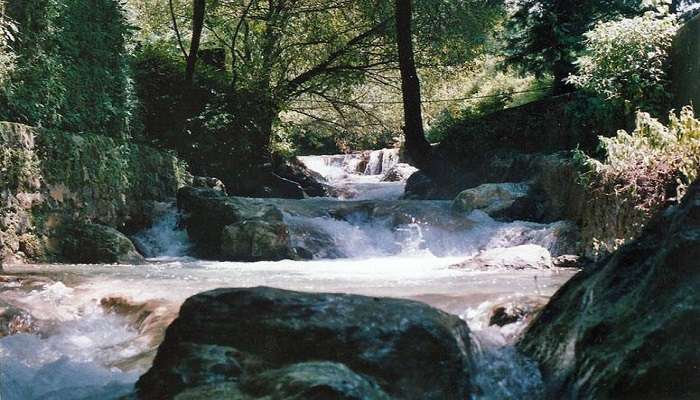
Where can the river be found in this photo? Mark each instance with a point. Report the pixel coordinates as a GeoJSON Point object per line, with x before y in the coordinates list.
{"type": "Point", "coordinates": [95, 327]}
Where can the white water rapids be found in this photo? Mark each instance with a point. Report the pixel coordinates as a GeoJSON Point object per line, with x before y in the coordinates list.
{"type": "Point", "coordinates": [95, 328]}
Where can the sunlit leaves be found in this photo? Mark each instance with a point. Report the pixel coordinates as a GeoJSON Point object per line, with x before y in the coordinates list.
{"type": "Point", "coordinates": [628, 59]}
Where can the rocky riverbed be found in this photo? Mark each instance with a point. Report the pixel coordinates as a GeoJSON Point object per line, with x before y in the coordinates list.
{"type": "Point", "coordinates": [379, 298]}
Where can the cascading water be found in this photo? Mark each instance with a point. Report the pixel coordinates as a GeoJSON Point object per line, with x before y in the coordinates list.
{"type": "Point", "coordinates": [359, 176]}
{"type": "Point", "coordinates": [165, 239]}
{"type": "Point", "coordinates": [366, 241]}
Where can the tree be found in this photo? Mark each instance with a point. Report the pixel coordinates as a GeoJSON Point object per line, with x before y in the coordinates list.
{"type": "Point", "coordinates": [417, 147]}
{"type": "Point", "coordinates": [199, 7]}
{"type": "Point", "coordinates": [293, 57]}
{"type": "Point", "coordinates": [546, 36]}
{"type": "Point", "coordinates": [282, 49]}
{"type": "Point", "coordinates": [198, 15]}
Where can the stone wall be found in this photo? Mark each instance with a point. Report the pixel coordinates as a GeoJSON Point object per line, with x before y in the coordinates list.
{"type": "Point", "coordinates": [49, 177]}
{"type": "Point", "coordinates": [686, 65]}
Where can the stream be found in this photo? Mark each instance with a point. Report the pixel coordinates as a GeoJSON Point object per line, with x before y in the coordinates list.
{"type": "Point", "coordinates": [93, 329]}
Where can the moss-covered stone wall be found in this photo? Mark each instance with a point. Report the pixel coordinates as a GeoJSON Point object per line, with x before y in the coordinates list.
{"type": "Point", "coordinates": [49, 177]}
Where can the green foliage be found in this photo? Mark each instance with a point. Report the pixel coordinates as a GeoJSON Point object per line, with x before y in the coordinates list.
{"type": "Point", "coordinates": [8, 31]}
{"type": "Point", "coordinates": [166, 101]}
{"type": "Point", "coordinates": [72, 67]}
{"type": "Point", "coordinates": [487, 90]}
{"type": "Point", "coordinates": [649, 167]}
{"type": "Point", "coordinates": [320, 72]}
{"type": "Point", "coordinates": [545, 36]}
{"type": "Point", "coordinates": [629, 60]}
{"type": "Point", "coordinates": [111, 168]}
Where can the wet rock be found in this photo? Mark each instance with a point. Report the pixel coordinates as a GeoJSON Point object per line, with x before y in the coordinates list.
{"type": "Point", "coordinates": [627, 326]}
{"type": "Point", "coordinates": [492, 198]}
{"type": "Point", "coordinates": [225, 390]}
{"type": "Point", "coordinates": [510, 312]}
{"type": "Point", "coordinates": [527, 256]}
{"type": "Point", "coordinates": [421, 186]}
{"type": "Point", "coordinates": [569, 261]}
{"type": "Point", "coordinates": [410, 350]}
{"type": "Point", "coordinates": [399, 172]}
{"type": "Point", "coordinates": [256, 240]}
{"type": "Point", "coordinates": [87, 243]}
{"type": "Point", "coordinates": [311, 182]}
{"type": "Point", "coordinates": [209, 183]}
{"type": "Point", "coordinates": [14, 320]}
{"type": "Point", "coordinates": [233, 228]}
{"type": "Point", "coordinates": [314, 381]}
{"type": "Point", "coordinates": [303, 253]}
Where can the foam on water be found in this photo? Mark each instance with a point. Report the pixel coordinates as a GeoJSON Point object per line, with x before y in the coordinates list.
{"type": "Point", "coordinates": [356, 236]}
{"type": "Point", "coordinates": [71, 358]}
{"type": "Point", "coordinates": [165, 238]}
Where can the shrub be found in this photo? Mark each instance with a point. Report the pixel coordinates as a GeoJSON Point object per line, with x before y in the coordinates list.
{"type": "Point", "coordinates": [8, 31]}
{"type": "Point", "coordinates": [642, 172]}
{"type": "Point", "coordinates": [71, 69]}
{"type": "Point", "coordinates": [628, 60]}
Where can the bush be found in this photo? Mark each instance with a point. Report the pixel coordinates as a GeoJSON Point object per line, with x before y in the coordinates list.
{"type": "Point", "coordinates": [642, 172]}
{"type": "Point", "coordinates": [8, 31]}
{"type": "Point", "coordinates": [71, 69]}
{"type": "Point", "coordinates": [628, 60]}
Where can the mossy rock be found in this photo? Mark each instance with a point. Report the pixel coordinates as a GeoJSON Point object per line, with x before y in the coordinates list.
{"type": "Point", "coordinates": [87, 243]}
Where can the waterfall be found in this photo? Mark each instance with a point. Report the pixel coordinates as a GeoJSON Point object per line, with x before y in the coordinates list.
{"type": "Point", "coordinates": [165, 238]}
{"type": "Point", "coordinates": [358, 176]}
{"type": "Point", "coordinates": [371, 162]}
{"type": "Point", "coordinates": [381, 161]}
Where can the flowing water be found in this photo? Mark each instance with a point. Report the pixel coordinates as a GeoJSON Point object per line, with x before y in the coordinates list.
{"type": "Point", "coordinates": [94, 329]}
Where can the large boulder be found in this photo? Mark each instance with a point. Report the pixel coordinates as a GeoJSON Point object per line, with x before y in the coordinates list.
{"type": "Point", "coordinates": [256, 240]}
{"type": "Point", "coordinates": [315, 381]}
{"type": "Point", "coordinates": [233, 228]}
{"type": "Point", "coordinates": [252, 337]}
{"type": "Point", "coordinates": [627, 326]}
{"type": "Point", "coordinates": [311, 182]}
{"type": "Point", "coordinates": [492, 198]}
{"type": "Point", "coordinates": [87, 243]}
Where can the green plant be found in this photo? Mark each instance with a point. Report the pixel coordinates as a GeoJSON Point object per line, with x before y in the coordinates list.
{"type": "Point", "coordinates": [486, 89]}
{"type": "Point", "coordinates": [628, 60]}
{"type": "Point", "coordinates": [8, 32]}
{"type": "Point", "coordinates": [649, 167]}
{"type": "Point", "coordinates": [72, 67]}
{"type": "Point", "coordinates": [545, 37]}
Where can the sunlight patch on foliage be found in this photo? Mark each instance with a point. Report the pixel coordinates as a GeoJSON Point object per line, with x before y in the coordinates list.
{"type": "Point", "coordinates": [628, 60]}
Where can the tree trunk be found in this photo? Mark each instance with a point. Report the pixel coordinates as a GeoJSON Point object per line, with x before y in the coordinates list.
{"type": "Point", "coordinates": [198, 7]}
{"type": "Point", "coordinates": [561, 71]}
{"type": "Point", "coordinates": [417, 147]}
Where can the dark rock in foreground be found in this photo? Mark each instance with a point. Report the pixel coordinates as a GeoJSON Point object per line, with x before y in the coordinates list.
{"type": "Point", "coordinates": [626, 328]}
{"type": "Point", "coordinates": [264, 341]}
